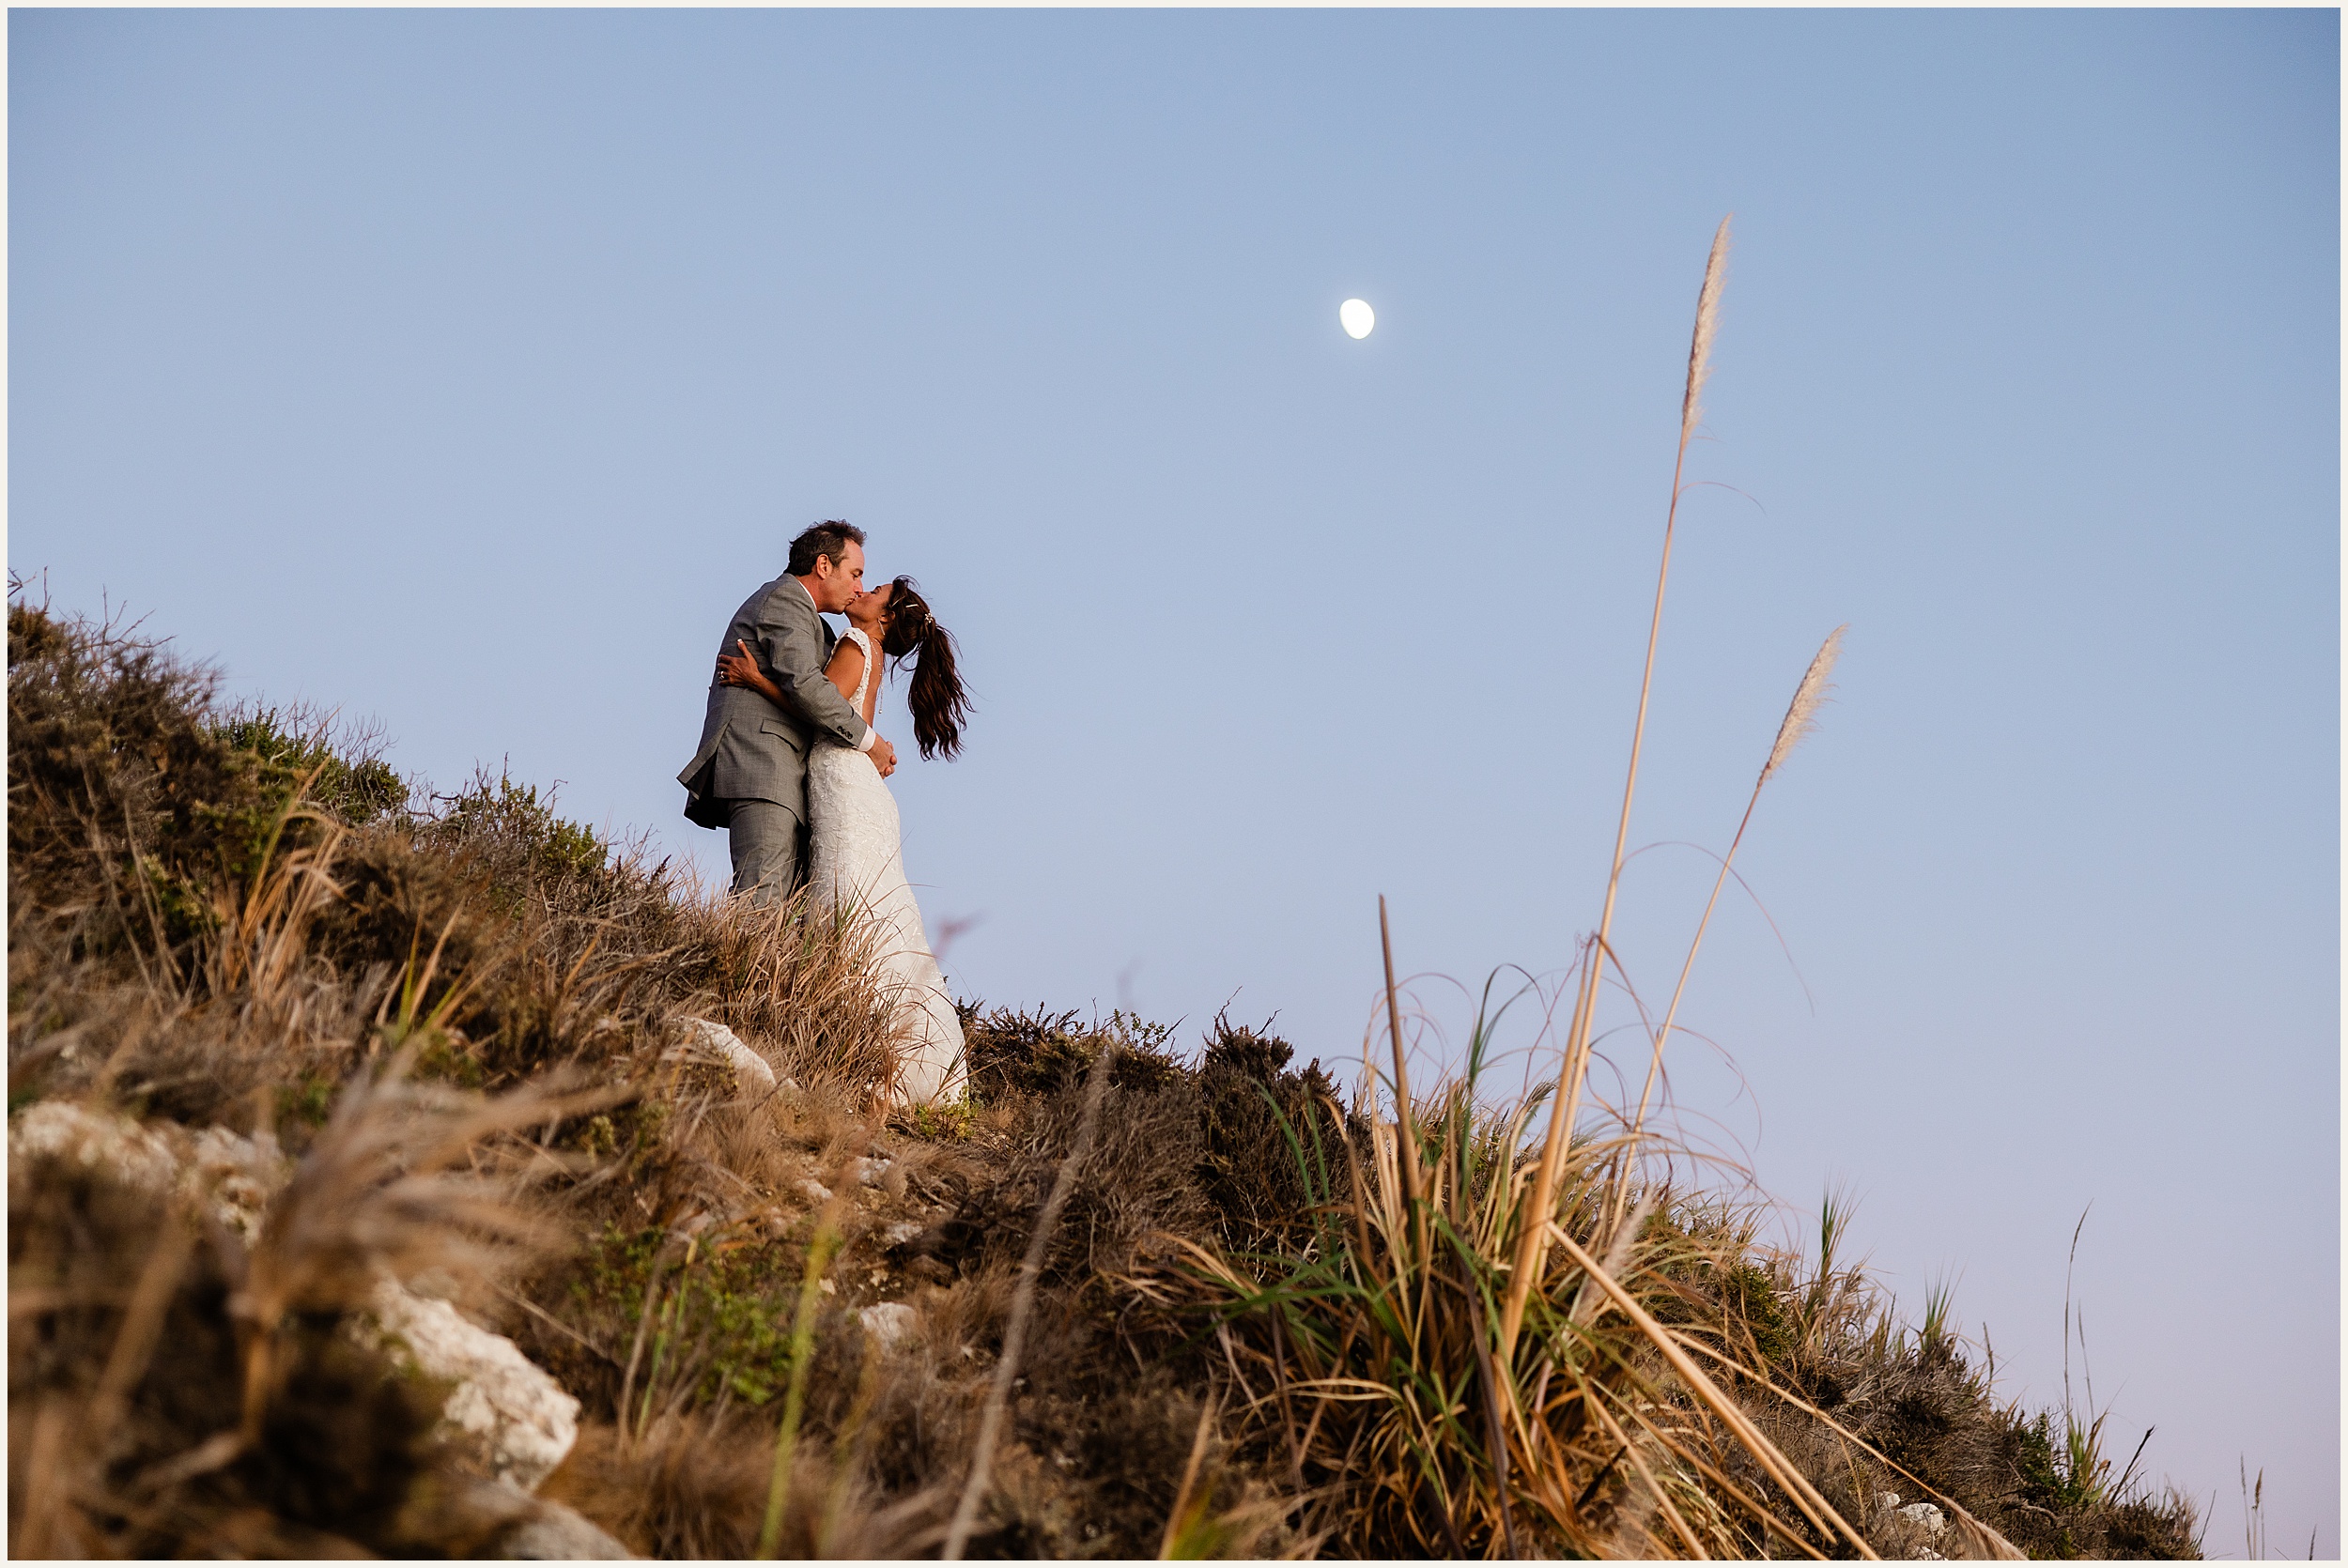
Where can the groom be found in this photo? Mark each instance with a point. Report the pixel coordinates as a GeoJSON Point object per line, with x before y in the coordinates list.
{"type": "Point", "coordinates": [750, 776]}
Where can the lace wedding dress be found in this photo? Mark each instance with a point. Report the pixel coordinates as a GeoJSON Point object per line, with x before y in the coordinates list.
{"type": "Point", "coordinates": [857, 862]}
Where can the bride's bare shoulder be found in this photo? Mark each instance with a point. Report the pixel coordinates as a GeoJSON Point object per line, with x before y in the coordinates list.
{"type": "Point", "coordinates": [845, 665]}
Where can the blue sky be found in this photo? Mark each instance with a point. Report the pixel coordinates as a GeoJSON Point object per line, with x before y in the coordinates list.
{"type": "Point", "coordinates": [463, 370]}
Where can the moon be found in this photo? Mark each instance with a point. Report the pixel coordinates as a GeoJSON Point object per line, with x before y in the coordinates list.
{"type": "Point", "coordinates": [1356, 318]}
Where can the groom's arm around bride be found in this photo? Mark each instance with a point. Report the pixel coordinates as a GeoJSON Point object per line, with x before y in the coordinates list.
{"type": "Point", "coordinates": [749, 776]}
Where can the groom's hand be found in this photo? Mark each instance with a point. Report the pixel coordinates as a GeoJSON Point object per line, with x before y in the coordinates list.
{"type": "Point", "coordinates": [884, 755]}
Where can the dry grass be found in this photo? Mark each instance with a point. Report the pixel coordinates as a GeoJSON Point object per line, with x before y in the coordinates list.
{"type": "Point", "coordinates": [1574, 1060]}
{"type": "Point", "coordinates": [1801, 719]}
{"type": "Point", "coordinates": [802, 989]}
{"type": "Point", "coordinates": [697, 1487]}
{"type": "Point", "coordinates": [1378, 1360]}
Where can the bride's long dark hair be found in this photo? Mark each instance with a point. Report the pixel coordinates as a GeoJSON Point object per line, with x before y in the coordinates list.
{"type": "Point", "coordinates": [940, 707]}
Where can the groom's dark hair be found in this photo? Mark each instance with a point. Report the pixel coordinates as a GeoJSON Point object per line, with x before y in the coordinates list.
{"type": "Point", "coordinates": [828, 539]}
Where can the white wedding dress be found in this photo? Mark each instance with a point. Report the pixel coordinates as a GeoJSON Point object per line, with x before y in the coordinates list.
{"type": "Point", "coordinates": [856, 862]}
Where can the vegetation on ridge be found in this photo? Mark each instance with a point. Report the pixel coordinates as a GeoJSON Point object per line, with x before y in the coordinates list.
{"type": "Point", "coordinates": [1279, 1322]}
{"type": "Point", "coordinates": [218, 923]}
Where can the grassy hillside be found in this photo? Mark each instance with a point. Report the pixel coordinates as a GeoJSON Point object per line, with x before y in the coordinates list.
{"type": "Point", "coordinates": [1250, 1315]}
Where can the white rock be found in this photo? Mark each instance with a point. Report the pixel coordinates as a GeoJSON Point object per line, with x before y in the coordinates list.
{"type": "Point", "coordinates": [60, 1129]}
{"type": "Point", "coordinates": [234, 1176]}
{"type": "Point", "coordinates": [559, 1534]}
{"type": "Point", "coordinates": [240, 1176]}
{"type": "Point", "coordinates": [900, 1233]}
{"type": "Point", "coordinates": [753, 1078]}
{"type": "Point", "coordinates": [815, 1192]}
{"type": "Point", "coordinates": [515, 1420]}
{"type": "Point", "coordinates": [889, 1323]}
{"type": "Point", "coordinates": [1926, 1515]}
{"type": "Point", "coordinates": [868, 1172]}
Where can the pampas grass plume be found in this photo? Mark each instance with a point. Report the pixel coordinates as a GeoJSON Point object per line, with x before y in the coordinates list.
{"type": "Point", "coordinates": [1707, 323]}
{"type": "Point", "coordinates": [1803, 715]}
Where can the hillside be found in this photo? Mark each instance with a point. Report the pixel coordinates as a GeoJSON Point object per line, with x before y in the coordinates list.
{"type": "Point", "coordinates": [428, 1176]}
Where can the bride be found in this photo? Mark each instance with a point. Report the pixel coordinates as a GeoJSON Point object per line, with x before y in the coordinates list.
{"type": "Point", "coordinates": [854, 861]}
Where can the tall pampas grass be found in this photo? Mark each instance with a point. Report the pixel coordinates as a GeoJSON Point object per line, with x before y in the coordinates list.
{"type": "Point", "coordinates": [1533, 1228]}
{"type": "Point", "coordinates": [1700, 345]}
{"type": "Point", "coordinates": [1621, 1429]}
{"type": "Point", "coordinates": [1801, 717]}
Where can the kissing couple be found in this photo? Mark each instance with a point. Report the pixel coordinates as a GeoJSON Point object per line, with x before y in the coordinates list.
{"type": "Point", "coordinates": [792, 768]}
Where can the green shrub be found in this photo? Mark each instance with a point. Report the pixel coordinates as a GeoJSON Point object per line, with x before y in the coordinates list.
{"type": "Point", "coordinates": [515, 831]}
{"type": "Point", "coordinates": [350, 781]}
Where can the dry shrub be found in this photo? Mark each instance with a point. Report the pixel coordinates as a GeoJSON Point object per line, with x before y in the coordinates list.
{"type": "Point", "coordinates": [1093, 1451]}
{"type": "Point", "coordinates": [690, 1489]}
{"type": "Point", "coordinates": [238, 1021]}
{"type": "Point", "coordinates": [117, 785]}
{"type": "Point", "coordinates": [183, 889]}
{"type": "Point", "coordinates": [1252, 1104]}
{"type": "Point", "coordinates": [1922, 1420]}
{"type": "Point", "coordinates": [1137, 1180]}
{"type": "Point", "coordinates": [1097, 1461]}
{"type": "Point", "coordinates": [1182, 1148]}
{"type": "Point", "coordinates": [697, 1487]}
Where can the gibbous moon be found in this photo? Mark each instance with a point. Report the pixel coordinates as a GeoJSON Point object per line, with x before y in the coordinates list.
{"type": "Point", "coordinates": [1356, 318]}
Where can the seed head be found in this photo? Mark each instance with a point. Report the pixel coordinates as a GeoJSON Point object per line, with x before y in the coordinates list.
{"type": "Point", "coordinates": [1803, 717]}
{"type": "Point", "coordinates": [1708, 322]}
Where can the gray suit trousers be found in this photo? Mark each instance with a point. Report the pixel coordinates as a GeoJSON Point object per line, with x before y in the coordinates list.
{"type": "Point", "coordinates": [768, 864]}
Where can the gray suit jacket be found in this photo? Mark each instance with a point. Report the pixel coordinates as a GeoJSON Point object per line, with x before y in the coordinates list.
{"type": "Point", "coordinates": [751, 748]}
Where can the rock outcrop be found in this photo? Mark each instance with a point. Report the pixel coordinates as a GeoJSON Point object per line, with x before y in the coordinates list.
{"type": "Point", "coordinates": [511, 1420]}
{"type": "Point", "coordinates": [559, 1534]}
{"type": "Point", "coordinates": [504, 1417]}
{"type": "Point", "coordinates": [712, 1042]}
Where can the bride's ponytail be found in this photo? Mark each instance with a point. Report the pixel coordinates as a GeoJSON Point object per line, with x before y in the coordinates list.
{"type": "Point", "coordinates": [940, 707]}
